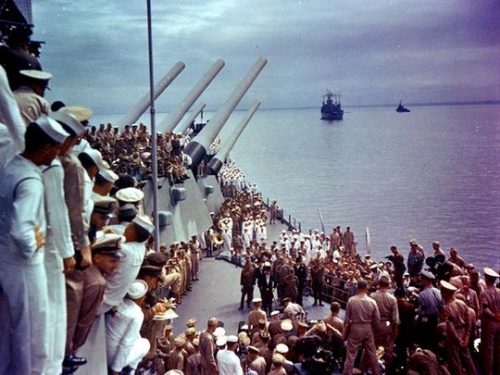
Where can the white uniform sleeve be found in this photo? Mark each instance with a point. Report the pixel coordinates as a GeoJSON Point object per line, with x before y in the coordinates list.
{"type": "Point", "coordinates": [9, 112]}
{"type": "Point", "coordinates": [28, 198]}
{"type": "Point", "coordinates": [56, 210]}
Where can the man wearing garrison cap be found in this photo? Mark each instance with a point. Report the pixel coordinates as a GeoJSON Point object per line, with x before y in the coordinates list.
{"type": "Point", "coordinates": [23, 231]}
{"type": "Point", "coordinates": [490, 322]}
{"type": "Point", "coordinates": [360, 316]}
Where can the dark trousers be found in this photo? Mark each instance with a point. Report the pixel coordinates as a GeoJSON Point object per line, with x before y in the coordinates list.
{"type": "Point", "coordinates": [248, 293]}
{"type": "Point", "coordinates": [426, 331]}
{"type": "Point", "coordinates": [317, 293]}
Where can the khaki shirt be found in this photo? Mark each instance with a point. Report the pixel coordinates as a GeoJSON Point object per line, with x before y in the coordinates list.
{"type": "Point", "coordinates": [361, 309]}
{"type": "Point", "coordinates": [387, 306]}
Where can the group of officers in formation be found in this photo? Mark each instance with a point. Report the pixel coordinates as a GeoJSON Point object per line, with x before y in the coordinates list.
{"type": "Point", "coordinates": [431, 312]}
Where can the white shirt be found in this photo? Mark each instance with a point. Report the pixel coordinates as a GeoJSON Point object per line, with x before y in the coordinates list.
{"type": "Point", "coordinates": [10, 114]}
{"type": "Point", "coordinates": [88, 186]}
{"type": "Point", "coordinates": [21, 209]}
{"type": "Point", "coordinates": [119, 281]}
{"type": "Point", "coordinates": [228, 363]}
{"type": "Point", "coordinates": [58, 239]}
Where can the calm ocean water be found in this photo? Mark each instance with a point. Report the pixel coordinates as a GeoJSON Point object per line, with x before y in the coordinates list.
{"type": "Point", "coordinates": [431, 174]}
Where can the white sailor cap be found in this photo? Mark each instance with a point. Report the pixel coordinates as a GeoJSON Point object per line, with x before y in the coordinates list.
{"type": "Point", "coordinates": [96, 157]}
{"type": "Point", "coordinates": [36, 74]}
{"type": "Point", "coordinates": [219, 331]}
{"type": "Point", "coordinates": [490, 272]}
{"type": "Point", "coordinates": [257, 300]}
{"type": "Point", "coordinates": [69, 120]}
{"type": "Point", "coordinates": [253, 349]}
{"type": "Point", "coordinates": [80, 113]}
{"type": "Point", "coordinates": [138, 289]}
{"type": "Point", "coordinates": [428, 275]}
{"type": "Point", "coordinates": [282, 348]}
{"type": "Point", "coordinates": [447, 286]}
{"type": "Point", "coordinates": [109, 175]}
{"type": "Point", "coordinates": [221, 341]}
{"type": "Point", "coordinates": [286, 325]}
{"type": "Point", "coordinates": [129, 194]}
{"type": "Point", "coordinates": [144, 222]}
{"type": "Point", "coordinates": [52, 128]}
{"type": "Point", "coordinates": [232, 339]}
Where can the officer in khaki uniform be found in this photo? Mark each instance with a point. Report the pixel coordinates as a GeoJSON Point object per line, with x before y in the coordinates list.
{"type": "Point", "coordinates": [361, 316]}
{"type": "Point", "coordinates": [387, 329]}
{"type": "Point", "coordinates": [490, 322]}
{"type": "Point", "coordinates": [455, 316]}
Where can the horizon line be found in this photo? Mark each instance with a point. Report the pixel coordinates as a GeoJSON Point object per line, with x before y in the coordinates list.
{"type": "Point", "coordinates": [379, 105]}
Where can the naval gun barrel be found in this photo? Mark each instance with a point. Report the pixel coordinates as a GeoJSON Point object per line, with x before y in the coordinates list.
{"type": "Point", "coordinates": [169, 123]}
{"type": "Point", "coordinates": [183, 126]}
{"type": "Point", "coordinates": [143, 104]}
{"type": "Point", "coordinates": [199, 145]}
{"type": "Point", "coordinates": [215, 164]}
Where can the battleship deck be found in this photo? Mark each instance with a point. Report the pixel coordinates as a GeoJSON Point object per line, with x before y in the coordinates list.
{"type": "Point", "coordinates": [218, 293]}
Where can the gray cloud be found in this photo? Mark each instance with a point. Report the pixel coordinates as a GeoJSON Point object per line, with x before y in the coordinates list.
{"type": "Point", "coordinates": [371, 51]}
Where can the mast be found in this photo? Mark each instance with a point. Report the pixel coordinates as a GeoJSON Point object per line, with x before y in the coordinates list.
{"type": "Point", "coordinates": [154, 150]}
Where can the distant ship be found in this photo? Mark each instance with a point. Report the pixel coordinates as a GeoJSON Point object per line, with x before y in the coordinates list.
{"type": "Point", "coordinates": [402, 108]}
{"type": "Point", "coordinates": [331, 108]}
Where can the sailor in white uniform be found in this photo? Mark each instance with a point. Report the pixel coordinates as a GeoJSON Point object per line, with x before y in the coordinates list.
{"type": "Point", "coordinates": [227, 360]}
{"type": "Point", "coordinates": [59, 250]}
{"type": "Point", "coordinates": [124, 345]}
{"type": "Point", "coordinates": [136, 234]}
{"type": "Point", "coordinates": [23, 281]}
{"type": "Point", "coordinates": [92, 161]}
{"type": "Point", "coordinates": [226, 226]}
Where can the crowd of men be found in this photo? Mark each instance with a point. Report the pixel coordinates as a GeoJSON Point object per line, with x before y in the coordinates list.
{"type": "Point", "coordinates": [129, 151]}
{"type": "Point", "coordinates": [76, 244]}
{"type": "Point", "coordinates": [426, 312]}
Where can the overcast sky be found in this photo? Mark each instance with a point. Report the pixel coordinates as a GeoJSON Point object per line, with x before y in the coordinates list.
{"type": "Point", "coordinates": [370, 51]}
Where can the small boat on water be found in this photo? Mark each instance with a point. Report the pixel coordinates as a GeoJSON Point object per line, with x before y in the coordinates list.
{"type": "Point", "coordinates": [401, 108]}
{"type": "Point", "coordinates": [331, 108]}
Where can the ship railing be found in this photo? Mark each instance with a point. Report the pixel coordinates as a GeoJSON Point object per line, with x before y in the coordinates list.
{"type": "Point", "coordinates": [285, 218]}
